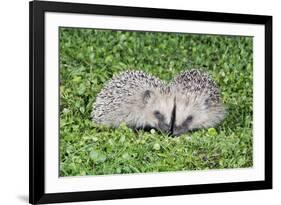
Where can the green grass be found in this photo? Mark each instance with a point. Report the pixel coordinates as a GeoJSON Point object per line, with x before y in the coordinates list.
{"type": "Point", "coordinates": [88, 58]}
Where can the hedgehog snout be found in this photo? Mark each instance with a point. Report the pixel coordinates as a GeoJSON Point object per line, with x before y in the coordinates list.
{"type": "Point", "coordinates": [177, 133]}
{"type": "Point", "coordinates": [162, 126]}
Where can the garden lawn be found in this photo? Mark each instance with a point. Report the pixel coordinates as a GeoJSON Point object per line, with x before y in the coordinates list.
{"type": "Point", "coordinates": [89, 58]}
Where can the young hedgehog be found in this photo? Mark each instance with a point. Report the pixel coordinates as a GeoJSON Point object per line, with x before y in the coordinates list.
{"type": "Point", "coordinates": [197, 102]}
{"type": "Point", "coordinates": [137, 99]}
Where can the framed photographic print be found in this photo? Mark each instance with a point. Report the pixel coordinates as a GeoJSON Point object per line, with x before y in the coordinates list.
{"type": "Point", "coordinates": [140, 102]}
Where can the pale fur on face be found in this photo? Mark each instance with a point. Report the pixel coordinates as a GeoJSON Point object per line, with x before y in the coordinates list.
{"type": "Point", "coordinates": [164, 105]}
{"type": "Point", "coordinates": [140, 112]}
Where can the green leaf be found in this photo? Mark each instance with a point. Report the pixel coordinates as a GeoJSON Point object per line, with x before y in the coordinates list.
{"type": "Point", "coordinates": [212, 132]}
{"type": "Point", "coordinates": [97, 156]}
{"type": "Point", "coordinates": [77, 79]}
{"type": "Point", "coordinates": [152, 131]}
{"type": "Point", "coordinates": [156, 146]}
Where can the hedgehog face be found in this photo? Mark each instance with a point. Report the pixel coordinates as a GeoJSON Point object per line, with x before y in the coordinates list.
{"type": "Point", "coordinates": [194, 112]}
{"type": "Point", "coordinates": [158, 110]}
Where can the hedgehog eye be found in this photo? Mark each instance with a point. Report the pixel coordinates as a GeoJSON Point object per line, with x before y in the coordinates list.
{"type": "Point", "coordinates": [189, 118]}
{"type": "Point", "coordinates": [158, 115]}
{"type": "Point", "coordinates": [207, 102]}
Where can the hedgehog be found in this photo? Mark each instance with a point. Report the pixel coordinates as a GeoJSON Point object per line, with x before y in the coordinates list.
{"type": "Point", "coordinates": [197, 101]}
{"type": "Point", "coordinates": [137, 99]}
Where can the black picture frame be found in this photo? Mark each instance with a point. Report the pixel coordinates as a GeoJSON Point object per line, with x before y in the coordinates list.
{"type": "Point", "coordinates": [37, 9]}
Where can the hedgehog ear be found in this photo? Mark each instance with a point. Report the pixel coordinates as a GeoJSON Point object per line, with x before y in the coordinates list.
{"type": "Point", "coordinates": [147, 95]}
{"type": "Point", "coordinates": [207, 102]}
